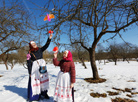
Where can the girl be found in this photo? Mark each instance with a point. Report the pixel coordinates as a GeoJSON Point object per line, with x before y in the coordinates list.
{"type": "Point", "coordinates": [64, 90]}
{"type": "Point", "coordinates": [38, 83]}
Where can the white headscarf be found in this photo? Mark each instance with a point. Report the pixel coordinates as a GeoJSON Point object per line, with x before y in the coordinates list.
{"type": "Point", "coordinates": [31, 42]}
{"type": "Point", "coordinates": [67, 51]}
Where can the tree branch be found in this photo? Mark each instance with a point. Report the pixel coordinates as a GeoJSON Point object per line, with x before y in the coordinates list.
{"type": "Point", "coordinates": [117, 30]}
{"type": "Point", "coordinates": [77, 42]}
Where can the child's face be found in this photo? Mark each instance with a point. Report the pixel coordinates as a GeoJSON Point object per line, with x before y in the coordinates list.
{"type": "Point", "coordinates": [65, 54]}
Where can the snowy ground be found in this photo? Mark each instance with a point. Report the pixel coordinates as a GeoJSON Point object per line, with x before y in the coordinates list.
{"type": "Point", "coordinates": [13, 84]}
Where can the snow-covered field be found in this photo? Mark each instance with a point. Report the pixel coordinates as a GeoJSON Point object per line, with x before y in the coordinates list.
{"type": "Point", "coordinates": [13, 84]}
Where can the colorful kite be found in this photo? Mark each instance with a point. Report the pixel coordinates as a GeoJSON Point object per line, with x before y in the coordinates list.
{"type": "Point", "coordinates": [49, 17]}
{"type": "Point", "coordinates": [55, 49]}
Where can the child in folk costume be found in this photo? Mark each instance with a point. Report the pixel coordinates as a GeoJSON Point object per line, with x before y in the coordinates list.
{"type": "Point", "coordinates": [38, 83]}
{"type": "Point", "coordinates": [64, 90]}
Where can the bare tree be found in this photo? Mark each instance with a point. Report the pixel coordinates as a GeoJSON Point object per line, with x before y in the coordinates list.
{"type": "Point", "coordinates": [125, 50]}
{"type": "Point", "coordinates": [81, 54]}
{"type": "Point", "coordinates": [12, 59]}
{"type": "Point", "coordinates": [15, 26]}
{"type": "Point", "coordinates": [135, 53]}
{"type": "Point", "coordinates": [4, 58]}
{"type": "Point", "coordinates": [114, 52]}
{"type": "Point", "coordinates": [97, 18]}
{"type": "Point", "coordinates": [100, 55]}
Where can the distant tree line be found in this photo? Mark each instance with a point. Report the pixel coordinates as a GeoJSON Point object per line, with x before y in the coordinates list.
{"type": "Point", "coordinates": [113, 52]}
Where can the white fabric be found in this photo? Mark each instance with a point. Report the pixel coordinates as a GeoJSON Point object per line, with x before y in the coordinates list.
{"type": "Point", "coordinates": [39, 82]}
{"type": "Point", "coordinates": [63, 92]}
{"type": "Point", "coordinates": [32, 42]}
{"type": "Point", "coordinates": [67, 51]}
{"type": "Point", "coordinates": [55, 51]}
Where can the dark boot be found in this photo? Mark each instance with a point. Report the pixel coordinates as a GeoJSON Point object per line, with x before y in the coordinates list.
{"type": "Point", "coordinates": [46, 96]}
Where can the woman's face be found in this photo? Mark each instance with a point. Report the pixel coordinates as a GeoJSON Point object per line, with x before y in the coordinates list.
{"type": "Point", "coordinates": [34, 45]}
{"type": "Point", "coordinates": [65, 54]}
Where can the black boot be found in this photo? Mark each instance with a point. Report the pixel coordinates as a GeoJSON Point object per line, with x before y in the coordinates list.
{"type": "Point", "coordinates": [46, 96]}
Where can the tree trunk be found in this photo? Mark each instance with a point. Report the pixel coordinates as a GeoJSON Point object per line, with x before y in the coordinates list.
{"type": "Point", "coordinates": [104, 62]}
{"type": "Point", "coordinates": [5, 62]}
{"type": "Point", "coordinates": [115, 61]}
{"type": "Point", "coordinates": [99, 61]}
{"type": "Point", "coordinates": [82, 61]}
{"type": "Point", "coordinates": [126, 60]}
{"type": "Point", "coordinates": [12, 65]}
{"type": "Point", "coordinates": [93, 64]}
{"type": "Point", "coordinates": [137, 59]}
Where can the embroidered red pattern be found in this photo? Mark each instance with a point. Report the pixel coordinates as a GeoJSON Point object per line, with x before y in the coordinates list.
{"type": "Point", "coordinates": [44, 81]}
{"type": "Point", "coordinates": [55, 94]}
{"type": "Point", "coordinates": [62, 86]}
{"type": "Point", "coordinates": [58, 94]}
{"type": "Point", "coordinates": [56, 88]}
{"type": "Point", "coordinates": [41, 82]}
{"type": "Point", "coordinates": [63, 96]}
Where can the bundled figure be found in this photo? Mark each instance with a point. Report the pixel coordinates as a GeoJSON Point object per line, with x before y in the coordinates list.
{"type": "Point", "coordinates": [38, 76]}
{"type": "Point", "coordinates": [64, 90]}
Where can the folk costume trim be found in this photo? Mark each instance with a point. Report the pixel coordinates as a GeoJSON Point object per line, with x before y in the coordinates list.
{"type": "Point", "coordinates": [40, 82]}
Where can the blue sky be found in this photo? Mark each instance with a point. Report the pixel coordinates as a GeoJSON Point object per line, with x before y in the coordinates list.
{"type": "Point", "coordinates": [31, 9]}
{"type": "Point", "coordinates": [131, 35]}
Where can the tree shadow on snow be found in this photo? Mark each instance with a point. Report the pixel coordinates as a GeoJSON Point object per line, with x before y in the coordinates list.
{"type": "Point", "coordinates": [20, 91]}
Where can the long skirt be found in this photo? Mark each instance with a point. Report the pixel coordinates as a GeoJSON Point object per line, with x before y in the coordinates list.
{"type": "Point", "coordinates": [38, 83]}
{"type": "Point", "coordinates": [35, 97]}
{"type": "Point", "coordinates": [63, 92]}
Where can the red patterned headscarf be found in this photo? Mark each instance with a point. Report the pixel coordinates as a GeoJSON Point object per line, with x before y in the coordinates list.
{"type": "Point", "coordinates": [69, 56]}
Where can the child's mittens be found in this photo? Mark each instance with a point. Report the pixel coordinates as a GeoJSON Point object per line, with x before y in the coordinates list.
{"type": "Point", "coordinates": [28, 56]}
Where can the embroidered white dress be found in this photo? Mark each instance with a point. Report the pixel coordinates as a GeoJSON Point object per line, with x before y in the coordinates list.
{"type": "Point", "coordinates": [39, 82]}
{"type": "Point", "coordinates": [63, 92]}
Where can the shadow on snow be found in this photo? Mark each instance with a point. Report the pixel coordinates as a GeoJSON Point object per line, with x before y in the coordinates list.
{"type": "Point", "coordinates": [20, 91]}
{"type": "Point", "coordinates": [23, 93]}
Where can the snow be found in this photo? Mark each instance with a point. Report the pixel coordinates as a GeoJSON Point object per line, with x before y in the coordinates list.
{"type": "Point", "coordinates": [13, 84]}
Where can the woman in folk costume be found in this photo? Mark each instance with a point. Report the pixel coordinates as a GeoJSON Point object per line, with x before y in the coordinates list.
{"type": "Point", "coordinates": [38, 83]}
{"type": "Point", "coordinates": [64, 90]}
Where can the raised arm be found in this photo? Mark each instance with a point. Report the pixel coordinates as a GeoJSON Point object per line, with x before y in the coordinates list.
{"type": "Point", "coordinates": [47, 43]}
{"type": "Point", "coordinates": [56, 62]}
